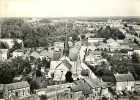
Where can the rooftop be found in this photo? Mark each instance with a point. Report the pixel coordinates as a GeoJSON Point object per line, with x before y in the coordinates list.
{"type": "Point", "coordinates": [124, 77]}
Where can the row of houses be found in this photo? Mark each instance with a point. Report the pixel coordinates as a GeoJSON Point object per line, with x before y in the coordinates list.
{"type": "Point", "coordinates": [15, 90]}
{"type": "Point", "coordinates": [123, 82]}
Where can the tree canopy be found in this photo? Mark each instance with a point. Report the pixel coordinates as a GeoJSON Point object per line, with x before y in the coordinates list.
{"type": "Point", "coordinates": [108, 32]}
{"type": "Point", "coordinates": [8, 70]}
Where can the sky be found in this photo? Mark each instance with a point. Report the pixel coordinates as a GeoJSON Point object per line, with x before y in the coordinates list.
{"type": "Point", "coordinates": [69, 8]}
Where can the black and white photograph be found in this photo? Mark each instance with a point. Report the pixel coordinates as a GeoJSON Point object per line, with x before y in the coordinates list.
{"type": "Point", "coordinates": [69, 50]}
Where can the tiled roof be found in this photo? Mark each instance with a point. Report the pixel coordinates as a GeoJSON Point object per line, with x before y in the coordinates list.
{"type": "Point", "coordinates": [17, 85]}
{"type": "Point", "coordinates": [56, 64]}
{"type": "Point", "coordinates": [3, 51]}
{"type": "Point", "coordinates": [95, 83]}
{"type": "Point", "coordinates": [124, 77]}
{"type": "Point", "coordinates": [35, 54]}
{"type": "Point", "coordinates": [81, 85]}
{"type": "Point", "coordinates": [44, 53]}
{"type": "Point", "coordinates": [19, 50]}
{"type": "Point", "coordinates": [67, 64]}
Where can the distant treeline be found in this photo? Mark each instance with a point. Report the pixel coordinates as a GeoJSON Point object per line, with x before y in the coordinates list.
{"type": "Point", "coordinates": [36, 34]}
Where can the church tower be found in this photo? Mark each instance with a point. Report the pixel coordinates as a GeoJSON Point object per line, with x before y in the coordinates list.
{"type": "Point", "coordinates": [66, 46]}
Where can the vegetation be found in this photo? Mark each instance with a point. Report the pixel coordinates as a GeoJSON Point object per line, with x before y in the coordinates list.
{"type": "Point", "coordinates": [69, 77]}
{"type": "Point", "coordinates": [121, 64]}
{"type": "Point", "coordinates": [34, 35]}
{"type": "Point", "coordinates": [8, 70]}
{"type": "Point", "coordinates": [109, 32]}
{"type": "Point", "coordinates": [3, 45]}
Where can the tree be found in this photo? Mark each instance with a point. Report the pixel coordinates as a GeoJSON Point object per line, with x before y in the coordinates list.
{"type": "Point", "coordinates": [75, 37]}
{"type": "Point", "coordinates": [85, 72]}
{"type": "Point", "coordinates": [21, 66]}
{"type": "Point", "coordinates": [7, 73]}
{"type": "Point", "coordinates": [4, 45]}
{"type": "Point", "coordinates": [15, 47]}
{"type": "Point", "coordinates": [17, 66]}
{"type": "Point", "coordinates": [109, 32]}
{"type": "Point", "coordinates": [68, 77]}
{"type": "Point", "coordinates": [135, 58]}
{"type": "Point", "coordinates": [83, 36]}
{"type": "Point", "coordinates": [33, 86]}
{"type": "Point", "coordinates": [11, 28]}
{"type": "Point", "coordinates": [43, 97]}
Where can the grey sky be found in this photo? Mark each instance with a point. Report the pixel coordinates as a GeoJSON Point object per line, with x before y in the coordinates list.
{"type": "Point", "coordinates": [69, 8]}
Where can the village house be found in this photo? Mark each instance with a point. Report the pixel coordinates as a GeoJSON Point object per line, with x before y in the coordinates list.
{"type": "Point", "coordinates": [98, 87]}
{"type": "Point", "coordinates": [35, 54]}
{"type": "Point", "coordinates": [58, 45]}
{"type": "Point", "coordinates": [103, 46]}
{"type": "Point", "coordinates": [15, 90]}
{"type": "Point", "coordinates": [137, 87]}
{"type": "Point", "coordinates": [95, 41]}
{"type": "Point", "coordinates": [18, 53]}
{"type": "Point", "coordinates": [44, 54]}
{"type": "Point", "coordinates": [137, 51]}
{"type": "Point", "coordinates": [89, 86]}
{"type": "Point", "coordinates": [3, 54]}
{"type": "Point", "coordinates": [124, 82]}
{"type": "Point", "coordinates": [89, 35]}
{"type": "Point", "coordinates": [93, 57]}
{"type": "Point", "coordinates": [11, 42]}
{"type": "Point", "coordinates": [113, 45]}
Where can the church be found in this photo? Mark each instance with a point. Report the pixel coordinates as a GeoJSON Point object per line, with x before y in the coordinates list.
{"type": "Point", "coordinates": [59, 68]}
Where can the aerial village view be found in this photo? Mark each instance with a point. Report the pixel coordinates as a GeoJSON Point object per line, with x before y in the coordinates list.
{"type": "Point", "coordinates": [70, 58]}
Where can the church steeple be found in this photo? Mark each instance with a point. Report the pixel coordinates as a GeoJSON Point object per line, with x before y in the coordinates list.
{"type": "Point", "coordinates": [66, 46]}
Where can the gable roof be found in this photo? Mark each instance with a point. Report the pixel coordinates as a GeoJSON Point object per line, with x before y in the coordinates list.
{"type": "Point", "coordinates": [81, 85]}
{"type": "Point", "coordinates": [95, 83]}
{"type": "Point", "coordinates": [66, 63]}
{"type": "Point", "coordinates": [3, 51]}
{"type": "Point", "coordinates": [58, 63]}
{"type": "Point", "coordinates": [17, 85]}
{"type": "Point", "coordinates": [35, 54]}
{"type": "Point", "coordinates": [124, 77]}
{"type": "Point", "coordinates": [44, 53]}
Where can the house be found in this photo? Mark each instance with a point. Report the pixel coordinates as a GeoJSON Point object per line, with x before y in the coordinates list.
{"type": "Point", "coordinates": [93, 57]}
{"type": "Point", "coordinates": [15, 90]}
{"type": "Point", "coordinates": [81, 85]}
{"type": "Point", "coordinates": [35, 54]}
{"type": "Point", "coordinates": [44, 54]}
{"type": "Point", "coordinates": [103, 46]}
{"type": "Point", "coordinates": [58, 45]}
{"type": "Point", "coordinates": [90, 86]}
{"type": "Point", "coordinates": [11, 42]}
{"type": "Point", "coordinates": [113, 45]}
{"type": "Point", "coordinates": [95, 41]}
{"type": "Point", "coordinates": [99, 88]}
{"type": "Point", "coordinates": [124, 82]}
{"type": "Point", "coordinates": [18, 53]}
{"type": "Point", "coordinates": [137, 87]}
{"type": "Point", "coordinates": [3, 54]}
